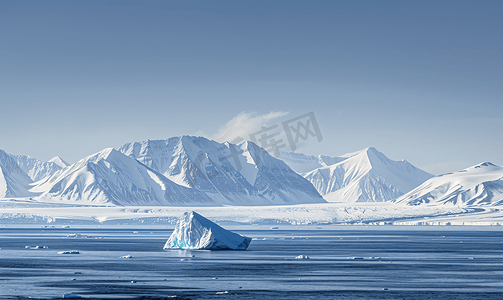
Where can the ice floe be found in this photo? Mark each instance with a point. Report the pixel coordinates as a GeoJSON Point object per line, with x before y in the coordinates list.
{"type": "Point", "coordinates": [69, 252]}
{"type": "Point", "coordinates": [35, 247]}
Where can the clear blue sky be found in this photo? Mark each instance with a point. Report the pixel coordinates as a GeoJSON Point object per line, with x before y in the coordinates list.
{"type": "Point", "coordinates": [418, 80]}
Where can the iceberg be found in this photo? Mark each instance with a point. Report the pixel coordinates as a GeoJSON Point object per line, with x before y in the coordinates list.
{"type": "Point", "coordinates": [194, 231]}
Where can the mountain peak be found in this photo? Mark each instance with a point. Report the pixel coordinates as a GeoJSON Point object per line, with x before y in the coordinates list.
{"type": "Point", "coordinates": [14, 182]}
{"type": "Point", "coordinates": [105, 153]}
{"type": "Point", "coordinates": [484, 165]}
{"type": "Point", "coordinates": [367, 151]}
{"type": "Point", "coordinates": [366, 176]}
{"type": "Point", "coordinates": [59, 161]}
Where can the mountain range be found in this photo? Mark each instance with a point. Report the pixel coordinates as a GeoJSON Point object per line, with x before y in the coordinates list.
{"type": "Point", "coordinates": [229, 174]}
{"type": "Point", "coordinates": [196, 171]}
{"type": "Point", "coordinates": [112, 178]}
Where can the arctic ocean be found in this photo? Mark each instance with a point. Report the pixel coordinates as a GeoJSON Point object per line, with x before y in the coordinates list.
{"type": "Point", "coordinates": [340, 262]}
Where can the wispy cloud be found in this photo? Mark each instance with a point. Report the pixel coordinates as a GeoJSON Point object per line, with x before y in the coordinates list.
{"type": "Point", "coordinates": [241, 126]}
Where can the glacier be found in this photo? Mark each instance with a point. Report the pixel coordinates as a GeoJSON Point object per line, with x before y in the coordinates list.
{"type": "Point", "coordinates": [194, 231]}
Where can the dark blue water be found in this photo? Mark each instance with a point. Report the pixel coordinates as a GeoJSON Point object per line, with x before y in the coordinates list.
{"type": "Point", "coordinates": [343, 264]}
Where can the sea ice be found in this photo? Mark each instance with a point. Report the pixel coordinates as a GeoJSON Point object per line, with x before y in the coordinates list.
{"type": "Point", "coordinates": [69, 252]}
{"type": "Point", "coordinates": [35, 247]}
{"type": "Point", "coordinates": [194, 231]}
{"type": "Point", "coordinates": [77, 236]}
{"type": "Point", "coordinates": [222, 293]}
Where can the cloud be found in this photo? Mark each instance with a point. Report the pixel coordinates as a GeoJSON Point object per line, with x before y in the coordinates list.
{"type": "Point", "coordinates": [241, 126]}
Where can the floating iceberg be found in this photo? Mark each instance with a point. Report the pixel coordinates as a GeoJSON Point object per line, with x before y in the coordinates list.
{"type": "Point", "coordinates": [194, 231]}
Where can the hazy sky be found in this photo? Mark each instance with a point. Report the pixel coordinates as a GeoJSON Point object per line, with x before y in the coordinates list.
{"type": "Point", "coordinates": [418, 80]}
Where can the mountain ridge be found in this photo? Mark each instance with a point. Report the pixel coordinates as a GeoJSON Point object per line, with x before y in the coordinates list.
{"type": "Point", "coordinates": [230, 174]}
{"type": "Point", "coordinates": [109, 177]}
{"type": "Point", "coordinates": [481, 184]}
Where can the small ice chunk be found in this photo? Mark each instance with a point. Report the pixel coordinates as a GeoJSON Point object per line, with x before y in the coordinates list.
{"type": "Point", "coordinates": [35, 247]}
{"type": "Point", "coordinates": [302, 257]}
{"type": "Point", "coordinates": [126, 256]}
{"type": "Point", "coordinates": [222, 293]}
{"type": "Point", "coordinates": [71, 295]}
{"type": "Point", "coordinates": [69, 252]}
{"type": "Point", "coordinates": [194, 231]}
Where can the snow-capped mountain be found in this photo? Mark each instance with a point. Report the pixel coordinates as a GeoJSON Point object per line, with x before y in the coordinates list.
{"type": "Point", "coordinates": [302, 163]}
{"type": "Point", "coordinates": [366, 176]}
{"type": "Point", "coordinates": [112, 178]}
{"type": "Point", "coordinates": [35, 168]}
{"type": "Point", "coordinates": [481, 184]}
{"type": "Point", "coordinates": [242, 174]}
{"type": "Point", "coordinates": [13, 181]}
{"type": "Point", "coordinates": [59, 161]}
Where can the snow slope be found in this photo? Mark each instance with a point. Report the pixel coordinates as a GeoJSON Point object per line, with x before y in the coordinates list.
{"type": "Point", "coordinates": [366, 176]}
{"type": "Point", "coordinates": [13, 181]}
{"type": "Point", "coordinates": [111, 178]}
{"type": "Point", "coordinates": [194, 231]}
{"type": "Point", "coordinates": [230, 174]}
{"type": "Point", "coordinates": [481, 184]}
{"type": "Point", "coordinates": [35, 168]}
